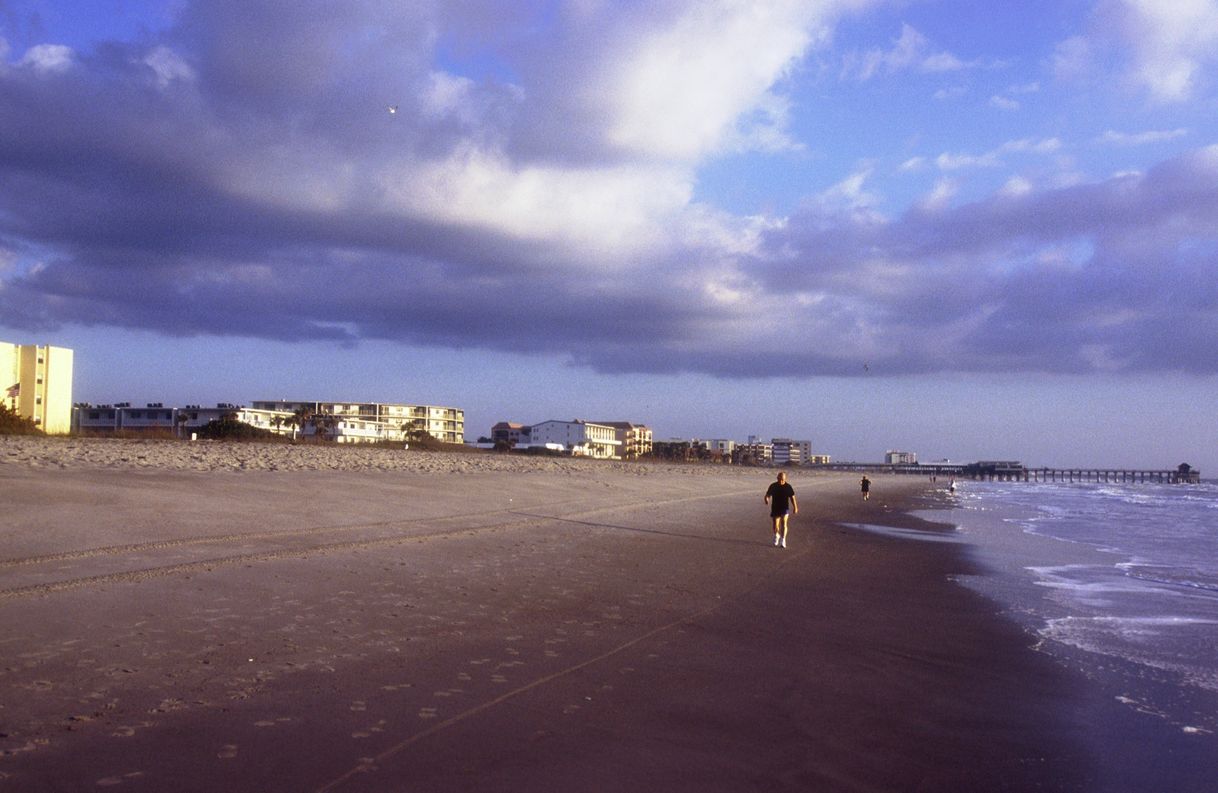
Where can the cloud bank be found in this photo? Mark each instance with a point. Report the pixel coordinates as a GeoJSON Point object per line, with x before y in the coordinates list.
{"type": "Point", "coordinates": [240, 174]}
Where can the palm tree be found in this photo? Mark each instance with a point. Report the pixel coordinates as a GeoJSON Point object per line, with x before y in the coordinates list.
{"type": "Point", "coordinates": [299, 418]}
{"type": "Point", "coordinates": [323, 424]}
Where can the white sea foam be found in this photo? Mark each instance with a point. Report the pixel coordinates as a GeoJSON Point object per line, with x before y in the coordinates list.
{"type": "Point", "coordinates": [1125, 571]}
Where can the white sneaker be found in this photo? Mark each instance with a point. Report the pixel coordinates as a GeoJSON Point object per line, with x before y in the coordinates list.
{"type": "Point", "coordinates": [784, 542]}
{"type": "Point", "coordinates": [776, 539]}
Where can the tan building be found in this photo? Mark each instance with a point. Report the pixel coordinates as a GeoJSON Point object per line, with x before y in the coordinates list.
{"type": "Point", "coordinates": [635, 439]}
{"type": "Point", "coordinates": [37, 383]}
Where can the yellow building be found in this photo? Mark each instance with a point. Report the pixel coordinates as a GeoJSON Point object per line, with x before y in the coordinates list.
{"type": "Point", "coordinates": [37, 383]}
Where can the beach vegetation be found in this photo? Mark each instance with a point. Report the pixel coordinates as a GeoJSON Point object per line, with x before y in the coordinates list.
{"type": "Point", "coordinates": [227, 427]}
{"type": "Point", "coordinates": [11, 423]}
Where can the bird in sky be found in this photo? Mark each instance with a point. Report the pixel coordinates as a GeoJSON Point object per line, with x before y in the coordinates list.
{"type": "Point", "coordinates": [393, 110]}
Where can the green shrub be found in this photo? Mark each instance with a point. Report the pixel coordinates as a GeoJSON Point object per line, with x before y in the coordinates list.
{"type": "Point", "coordinates": [13, 424]}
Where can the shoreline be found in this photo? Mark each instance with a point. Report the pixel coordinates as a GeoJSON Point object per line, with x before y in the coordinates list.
{"type": "Point", "coordinates": [580, 627]}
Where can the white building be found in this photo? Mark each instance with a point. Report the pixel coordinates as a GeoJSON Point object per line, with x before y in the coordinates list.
{"type": "Point", "coordinates": [722, 446]}
{"type": "Point", "coordinates": [790, 452]}
{"type": "Point", "coordinates": [900, 458]}
{"type": "Point", "coordinates": [363, 422]}
{"type": "Point", "coordinates": [578, 437]}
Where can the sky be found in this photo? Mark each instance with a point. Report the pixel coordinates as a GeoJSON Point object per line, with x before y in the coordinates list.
{"type": "Point", "coordinates": [968, 230]}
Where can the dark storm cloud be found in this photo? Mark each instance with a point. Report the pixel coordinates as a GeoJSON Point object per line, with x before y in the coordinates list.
{"type": "Point", "coordinates": [237, 176]}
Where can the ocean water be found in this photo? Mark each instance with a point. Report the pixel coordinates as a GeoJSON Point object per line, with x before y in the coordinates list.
{"type": "Point", "coordinates": [1118, 581]}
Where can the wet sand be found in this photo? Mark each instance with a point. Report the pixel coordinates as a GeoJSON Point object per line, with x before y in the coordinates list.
{"type": "Point", "coordinates": [504, 624]}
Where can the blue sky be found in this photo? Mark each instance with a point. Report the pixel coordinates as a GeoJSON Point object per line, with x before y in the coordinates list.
{"type": "Point", "coordinates": [968, 230]}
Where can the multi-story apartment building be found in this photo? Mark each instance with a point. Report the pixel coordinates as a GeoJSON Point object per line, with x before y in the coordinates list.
{"type": "Point", "coordinates": [155, 417]}
{"type": "Point", "coordinates": [721, 446]}
{"type": "Point", "coordinates": [341, 422]}
{"type": "Point", "coordinates": [635, 439]}
{"type": "Point", "coordinates": [578, 436]}
{"type": "Point", "coordinates": [354, 422]}
{"type": "Point", "coordinates": [511, 433]}
{"type": "Point", "coordinates": [755, 452]}
{"type": "Point", "coordinates": [785, 451]}
{"type": "Point", "coordinates": [37, 383]}
{"type": "Point", "coordinates": [900, 458]}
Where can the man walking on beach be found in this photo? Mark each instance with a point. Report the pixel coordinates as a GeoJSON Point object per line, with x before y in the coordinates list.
{"type": "Point", "coordinates": [781, 498]}
{"type": "Point", "coordinates": [865, 485]}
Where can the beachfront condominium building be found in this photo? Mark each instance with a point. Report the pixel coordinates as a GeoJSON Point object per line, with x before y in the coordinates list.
{"type": "Point", "coordinates": [900, 458]}
{"type": "Point", "coordinates": [578, 437]}
{"type": "Point", "coordinates": [754, 452]}
{"type": "Point", "coordinates": [155, 418]}
{"type": "Point", "coordinates": [356, 422]}
{"type": "Point", "coordinates": [341, 422]}
{"type": "Point", "coordinates": [37, 383]}
{"type": "Point", "coordinates": [510, 433]}
{"type": "Point", "coordinates": [635, 439]}
{"type": "Point", "coordinates": [785, 451]}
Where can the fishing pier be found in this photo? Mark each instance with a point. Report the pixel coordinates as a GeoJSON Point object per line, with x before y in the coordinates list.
{"type": "Point", "coordinates": [1013, 471]}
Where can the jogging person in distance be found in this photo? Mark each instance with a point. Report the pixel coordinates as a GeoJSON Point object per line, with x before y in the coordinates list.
{"type": "Point", "coordinates": [781, 498]}
{"type": "Point", "coordinates": [865, 486]}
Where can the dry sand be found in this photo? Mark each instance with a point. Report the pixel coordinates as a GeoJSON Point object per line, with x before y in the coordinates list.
{"type": "Point", "coordinates": [207, 617]}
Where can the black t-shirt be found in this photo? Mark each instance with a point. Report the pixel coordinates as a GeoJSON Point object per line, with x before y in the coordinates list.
{"type": "Point", "coordinates": [780, 496]}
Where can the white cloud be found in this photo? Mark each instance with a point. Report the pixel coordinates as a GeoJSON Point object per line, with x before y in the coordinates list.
{"type": "Point", "coordinates": [679, 92]}
{"type": "Point", "coordinates": [954, 162]}
{"type": "Point", "coordinates": [850, 194]}
{"type": "Point", "coordinates": [1172, 41]}
{"type": "Point", "coordinates": [940, 197]}
{"type": "Point", "coordinates": [910, 51]}
{"type": "Point", "coordinates": [48, 58]}
{"type": "Point", "coordinates": [994, 158]}
{"type": "Point", "coordinates": [445, 94]}
{"type": "Point", "coordinates": [1015, 187]}
{"type": "Point", "coordinates": [168, 66]}
{"type": "Point", "coordinates": [1072, 58]}
{"type": "Point", "coordinates": [1004, 103]}
{"type": "Point", "coordinates": [609, 209]}
{"type": "Point", "coordinates": [1115, 138]}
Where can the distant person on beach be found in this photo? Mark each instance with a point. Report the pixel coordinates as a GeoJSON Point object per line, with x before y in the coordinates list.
{"type": "Point", "coordinates": [865, 484]}
{"type": "Point", "coordinates": [781, 498]}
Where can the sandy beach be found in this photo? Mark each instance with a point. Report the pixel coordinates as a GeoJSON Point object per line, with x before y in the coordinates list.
{"type": "Point", "coordinates": [202, 617]}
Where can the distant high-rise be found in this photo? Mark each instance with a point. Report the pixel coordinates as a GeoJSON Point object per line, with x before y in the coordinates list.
{"type": "Point", "coordinates": [37, 384]}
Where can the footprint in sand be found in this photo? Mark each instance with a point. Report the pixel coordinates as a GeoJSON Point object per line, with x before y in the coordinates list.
{"type": "Point", "coordinates": [111, 781]}
{"type": "Point", "coordinates": [427, 713]}
{"type": "Point", "coordinates": [227, 751]}
{"type": "Point", "coordinates": [359, 705]}
{"type": "Point", "coordinates": [368, 732]}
